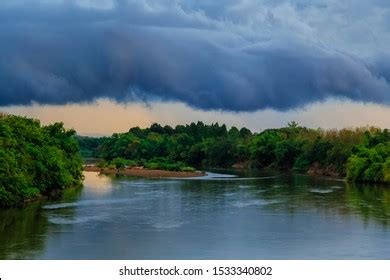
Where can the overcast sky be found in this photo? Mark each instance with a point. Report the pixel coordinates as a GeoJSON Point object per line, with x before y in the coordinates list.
{"type": "Point", "coordinates": [258, 63]}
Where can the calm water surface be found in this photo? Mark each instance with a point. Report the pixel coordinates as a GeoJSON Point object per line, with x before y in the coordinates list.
{"type": "Point", "coordinates": [253, 216]}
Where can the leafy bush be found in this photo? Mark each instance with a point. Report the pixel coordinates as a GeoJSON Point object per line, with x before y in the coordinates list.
{"type": "Point", "coordinates": [187, 169]}
{"type": "Point", "coordinates": [119, 163]}
{"type": "Point", "coordinates": [102, 163]}
{"type": "Point", "coordinates": [370, 161]}
{"type": "Point", "coordinates": [386, 171]}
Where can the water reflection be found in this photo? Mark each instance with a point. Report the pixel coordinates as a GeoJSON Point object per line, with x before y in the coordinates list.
{"type": "Point", "coordinates": [261, 215]}
{"type": "Point", "coordinates": [372, 202]}
{"type": "Point", "coordinates": [23, 232]}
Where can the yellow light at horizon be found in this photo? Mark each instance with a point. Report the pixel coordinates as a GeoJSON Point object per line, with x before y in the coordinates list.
{"type": "Point", "coordinates": [105, 117]}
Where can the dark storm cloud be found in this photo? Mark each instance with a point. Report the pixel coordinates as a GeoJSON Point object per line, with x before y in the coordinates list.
{"type": "Point", "coordinates": [195, 53]}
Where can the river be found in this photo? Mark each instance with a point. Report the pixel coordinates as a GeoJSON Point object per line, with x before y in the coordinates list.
{"type": "Point", "coordinates": [251, 216]}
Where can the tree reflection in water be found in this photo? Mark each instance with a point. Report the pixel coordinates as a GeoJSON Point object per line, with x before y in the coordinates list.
{"type": "Point", "coordinates": [23, 232]}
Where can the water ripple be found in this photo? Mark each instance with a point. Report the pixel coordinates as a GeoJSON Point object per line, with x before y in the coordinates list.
{"type": "Point", "coordinates": [85, 203]}
{"type": "Point", "coordinates": [321, 191]}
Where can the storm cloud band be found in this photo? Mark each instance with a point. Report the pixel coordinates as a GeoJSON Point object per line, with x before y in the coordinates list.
{"type": "Point", "coordinates": [68, 53]}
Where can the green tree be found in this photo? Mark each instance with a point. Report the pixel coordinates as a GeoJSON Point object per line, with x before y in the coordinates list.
{"type": "Point", "coordinates": [36, 160]}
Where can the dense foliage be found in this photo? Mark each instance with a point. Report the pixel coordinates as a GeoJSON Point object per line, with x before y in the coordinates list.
{"type": "Point", "coordinates": [159, 163]}
{"type": "Point", "coordinates": [361, 154]}
{"type": "Point", "coordinates": [35, 160]}
{"type": "Point", "coordinates": [370, 161]}
{"type": "Point", "coordinates": [88, 145]}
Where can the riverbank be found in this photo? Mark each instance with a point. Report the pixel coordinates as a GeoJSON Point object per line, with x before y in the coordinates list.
{"type": "Point", "coordinates": [145, 173]}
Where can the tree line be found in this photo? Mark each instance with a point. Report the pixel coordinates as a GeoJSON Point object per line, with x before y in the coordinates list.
{"type": "Point", "coordinates": [360, 154]}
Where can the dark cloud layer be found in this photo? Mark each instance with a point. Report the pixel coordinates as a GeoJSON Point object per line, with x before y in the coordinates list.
{"type": "Point", "coordinates": [160, 50]}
